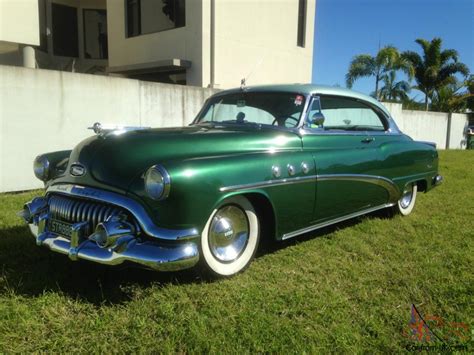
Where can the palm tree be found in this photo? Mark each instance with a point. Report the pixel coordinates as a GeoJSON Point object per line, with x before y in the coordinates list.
{"type": "Point", "coordinates": [436, 69]}
{"type": "Point", "coordinates": [387, 59]}
{"type": "Point", "coordinates": [451, 98]}
{"type": "Point", "coordinates": [394, 90]}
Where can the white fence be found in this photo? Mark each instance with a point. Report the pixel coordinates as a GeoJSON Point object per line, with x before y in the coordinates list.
{"type": "Point", "coordinates": [44, 110]}
{"type": "Point", "coordinates": [446, 130]}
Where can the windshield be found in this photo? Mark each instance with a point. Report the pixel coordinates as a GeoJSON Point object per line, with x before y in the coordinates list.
{"type": "Point", "coordinates": [278, 109]}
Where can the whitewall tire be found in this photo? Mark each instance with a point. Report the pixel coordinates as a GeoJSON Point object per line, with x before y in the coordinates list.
{"type": "Point", "coordinates": [230, 238]}
{"type": "Point", "coordinates": [406, 203]}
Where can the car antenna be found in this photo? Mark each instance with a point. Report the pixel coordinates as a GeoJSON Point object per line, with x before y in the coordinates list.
{"type": "Point", "coordinates": [243, 81]}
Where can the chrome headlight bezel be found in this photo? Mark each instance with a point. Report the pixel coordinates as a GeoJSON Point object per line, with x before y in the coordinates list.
{"type": "Point", "coordinates": [157, 183]}
{"type": "Point", "coordinates": [41, 167]}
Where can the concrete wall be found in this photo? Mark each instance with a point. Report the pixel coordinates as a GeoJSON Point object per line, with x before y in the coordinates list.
{"type": "Point", "coordinates": [44, 110]}
{"type": "Point", "coordinates": [447, 131]}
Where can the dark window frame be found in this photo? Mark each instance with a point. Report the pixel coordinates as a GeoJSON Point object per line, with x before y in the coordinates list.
{"type": "Point", "coordinates": [55, 48]}
{"type": "Point", "coordinates": [130, 34]}
{"type": "Point", "coordinates": [84, 31]}
{"type": "Point", "coordinates": [129, 29]}
{"type": "Point", "coordinates": [301, 29]}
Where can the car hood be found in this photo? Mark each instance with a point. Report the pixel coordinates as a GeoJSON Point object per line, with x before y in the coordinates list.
{"type": "Point", "coordinates": [117, 160]}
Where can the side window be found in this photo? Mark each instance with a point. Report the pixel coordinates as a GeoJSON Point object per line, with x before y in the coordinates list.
{"type": "Point", "coordinates": [347, 114]}
{"type": "Point", "coordinates": [341, 113]}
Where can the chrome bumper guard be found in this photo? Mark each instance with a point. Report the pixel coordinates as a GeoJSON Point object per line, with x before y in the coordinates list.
{"type": "Point", "coordinates": [114, 242]}
{"type": "Point", "coordinates": [437, 180]}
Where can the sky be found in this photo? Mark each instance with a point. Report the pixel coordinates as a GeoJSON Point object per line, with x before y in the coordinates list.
{"type": "Point", "coordinates": [345, 28]}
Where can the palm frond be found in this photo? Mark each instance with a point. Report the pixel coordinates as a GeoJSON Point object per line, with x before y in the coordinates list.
{"type": "Point", "coordinates": [453, 69]}
{"type": "Point", "coordinates": [413, 57]}
{"type": "Point", "coordinates": [361, 66]}
{"type": "Point", "coordinates": [433, 56]}
{"type": "Point", "coordinates": [449, 54]}
{"type": "Point", "coordinates": [425, 46]}
{"type": "Point", "coordinates": [387, 57]}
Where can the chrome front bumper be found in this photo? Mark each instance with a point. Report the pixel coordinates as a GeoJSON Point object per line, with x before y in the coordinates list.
{"type": "Point", "coordinates": [161, 254]}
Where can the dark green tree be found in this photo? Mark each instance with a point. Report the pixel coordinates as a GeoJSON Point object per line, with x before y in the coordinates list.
{"type": "Point", "coordinates": [436, 68]}
{"type": "Point", "coordinates": [453, 97]}
{"type": "Point", "coordinates": [394, 90]}
{"type": "Point", "coordinates": [387, 59]}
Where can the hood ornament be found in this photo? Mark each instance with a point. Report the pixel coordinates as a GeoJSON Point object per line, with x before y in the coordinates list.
{"type": "Point", "coordinates": [116, 130]}
{"type": "Point", "coordinates": [77, 169]}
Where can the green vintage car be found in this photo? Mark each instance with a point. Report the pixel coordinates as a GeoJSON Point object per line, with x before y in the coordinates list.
{"type": "Point", "coordinates": [258, 162]}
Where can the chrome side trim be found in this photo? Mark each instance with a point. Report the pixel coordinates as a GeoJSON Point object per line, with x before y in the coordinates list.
{"type": "Point", "coordinates": [135, 208]}
{"type": "Point", "coordinates": [389, 185]}
{"type": "Point", "coordinates": [334, 221]}
{"type": "Point", "coordinates": [286, 181]}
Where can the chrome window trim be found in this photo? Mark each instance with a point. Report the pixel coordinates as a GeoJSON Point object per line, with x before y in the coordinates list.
{"type": "Point", "coordinates": [391, 130]}
{"type": "Point", "coordinates": [134, 207]}
{"type": "Point", "coordinates": [301, 119]}
{"type": "Point", "coordinates": [389, 185]}
{"type": "Point", "coordinates": [334, 221]}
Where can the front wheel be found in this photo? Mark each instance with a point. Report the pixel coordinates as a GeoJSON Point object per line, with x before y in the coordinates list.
{"type": "Point", "coordinates": [230, 238]}
{"type": "Point", "coordinates": [406, 203]}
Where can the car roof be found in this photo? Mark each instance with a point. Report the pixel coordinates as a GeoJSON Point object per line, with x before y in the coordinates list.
{"type": "Point", "coordinates": [308, 89]}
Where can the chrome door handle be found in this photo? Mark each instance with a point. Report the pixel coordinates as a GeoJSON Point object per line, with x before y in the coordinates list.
{"type": "Point", "coordinates": [368, 140]}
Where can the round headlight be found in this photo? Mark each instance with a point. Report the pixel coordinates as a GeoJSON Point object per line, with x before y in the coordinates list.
{"type": "Point", "coordinates": [157, 183]}
{"type": "Point", "coordinates": [41, 168]}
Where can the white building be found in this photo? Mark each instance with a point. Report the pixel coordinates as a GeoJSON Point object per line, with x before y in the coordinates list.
{"type": "Point", "coordinates": [207, 43]}
{"type": "Point", "coordinates": [19, 24]}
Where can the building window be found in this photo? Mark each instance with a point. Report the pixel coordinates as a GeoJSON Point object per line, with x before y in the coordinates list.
{"type": "Point", "coordinates": [148, 16]}
{"type": "Point", "coordinates": [42, 26]}
{"type": "Point", "coordinates": [133, 18]}
{"type": "Point", "coordinates": [301, 23]}
{"type": "Point", "coordinates": [65, 33]}
{"type": "Point", "coordinates": [95, 34]}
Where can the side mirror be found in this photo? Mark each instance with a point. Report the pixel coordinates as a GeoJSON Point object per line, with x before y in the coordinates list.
{"type": "Point", "coordinates": [317, 119]}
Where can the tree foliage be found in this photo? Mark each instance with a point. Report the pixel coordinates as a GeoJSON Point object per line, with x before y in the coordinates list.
{"type": "Point", "coordinates": [435, 69]}
{"type": "Point", "coordinates": [451, 98]}
{"type": "Point", "coordinates": [387, 59]}
{"type": "Point", "coordinates": [394, 90]}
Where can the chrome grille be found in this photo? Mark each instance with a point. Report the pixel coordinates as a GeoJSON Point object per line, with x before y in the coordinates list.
{"type": "Point", "coordinates": [73, 210]}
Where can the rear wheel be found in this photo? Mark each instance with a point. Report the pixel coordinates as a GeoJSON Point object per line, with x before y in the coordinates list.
{"type": "Point", "coordinates": [230, 238]}
{"type": "Point", "coordinates": [406, 203]}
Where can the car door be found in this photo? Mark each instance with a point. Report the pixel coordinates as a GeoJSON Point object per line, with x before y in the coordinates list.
{"type": "Point", "coordinates": [346, 156]}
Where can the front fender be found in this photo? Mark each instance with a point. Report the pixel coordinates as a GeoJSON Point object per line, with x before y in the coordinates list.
{"type": "Point", "coordinates": [199, 185]}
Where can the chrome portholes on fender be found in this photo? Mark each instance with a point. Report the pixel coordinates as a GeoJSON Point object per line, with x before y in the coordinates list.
{"type": "Point", "coordinates": [304, 168]}
{"type": "Point", "coordinates": [406, 203]}
{"type": "Point", "coordinates": [276, 171]}
{"type": "Point", "coordinates": [230, 238]}
{"type": "Point", "coordinates": [291, 170]}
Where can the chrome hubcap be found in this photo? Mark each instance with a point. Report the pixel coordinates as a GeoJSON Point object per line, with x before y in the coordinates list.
{"type": "Point", "coordinates": [407, 196]}
{"type": "Point", "coordinates": [228, 233]}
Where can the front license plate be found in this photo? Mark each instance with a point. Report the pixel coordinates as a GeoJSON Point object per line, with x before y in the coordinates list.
{"type": "Point", "coordinates": [60, 227]}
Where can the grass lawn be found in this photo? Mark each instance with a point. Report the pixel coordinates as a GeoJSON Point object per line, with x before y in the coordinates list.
{"type": "Point", "coordinates": [344, 289]}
